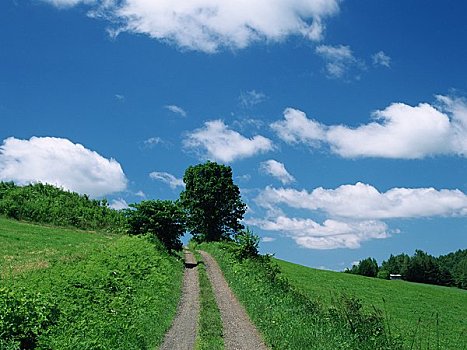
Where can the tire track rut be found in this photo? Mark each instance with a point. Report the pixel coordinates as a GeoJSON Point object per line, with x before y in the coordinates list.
{"type": "Point", "coordinates": [239, 332]}
{"type": "Point", "coordinates": [182, 334]}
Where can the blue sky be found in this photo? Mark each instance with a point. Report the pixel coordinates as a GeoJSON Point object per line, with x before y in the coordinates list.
{"type": "Point", "coordinates": [345, 122]}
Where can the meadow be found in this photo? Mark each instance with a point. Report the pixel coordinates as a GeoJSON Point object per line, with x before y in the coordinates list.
{"type": "Point", "coordinates": [73, 289]}
{"type": "Point", "coordinates": [424, 316]}
{"type": "Point", "coordinates": [64, 288]}
{"type": "Point", "coordinates": [26, 247]}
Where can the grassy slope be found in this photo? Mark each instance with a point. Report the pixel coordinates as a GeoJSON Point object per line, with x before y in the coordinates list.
{"type": "Point", "coordinates": [112, 292]}
{"type": "Point", "coordinates": [288, 320]}
{"type": "Point", "coordinates": [25, 247]}
{"type": "Point", "coordinates": [405, 303]}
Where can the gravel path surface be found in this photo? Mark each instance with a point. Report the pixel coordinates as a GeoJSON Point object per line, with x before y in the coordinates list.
{"type": "Point", "coordinates": [182, 334]}
{"type": "Point", "coordinates": [239, 332]}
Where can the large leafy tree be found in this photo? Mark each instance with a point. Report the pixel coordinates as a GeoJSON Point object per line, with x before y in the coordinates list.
{"type": "Point", "coordinates": [212, 202]}
{"type": "Point", "coordinates": [162, 218]}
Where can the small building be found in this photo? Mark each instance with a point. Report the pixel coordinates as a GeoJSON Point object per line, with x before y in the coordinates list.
{"type": "Point", "coordinates": [395, 276]}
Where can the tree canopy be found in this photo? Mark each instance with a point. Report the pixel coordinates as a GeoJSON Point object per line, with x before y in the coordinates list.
{"type": "Point", "coordinates": [445, 270]}
{"type": "Point", "coordinates": [164, 219]}
{"type": "Point", "coordinates": [366, 267]}
{"type": "Point", "coordinates": [212, 202]}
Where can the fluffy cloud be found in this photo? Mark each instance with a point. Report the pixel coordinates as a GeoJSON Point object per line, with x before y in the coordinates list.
{"type": "Point", "coordinates": [339, 60]}
{"type": "Point", "coordinates": [176, 109]}
{"type": "Point", "coordinates": [362, 201]}
{"type": "Point", "coordinates": [354, 212]}
{"type": "Point", "coordinates": [399, 131]}
{"type": "Point", "coordinates": [381, 59]}
{"type": "Point", "coordinates": [207, 25]}
{"type": "Point", "coordinates": [62, 163]}
{"type": "Point", "coordinates": [276, 169]}
{"type": "Point", "coordinates": [167, 178]}
{"type": "Point", "coordinates": [297, 128]}
{"type": "Point", "coordinates": [331, 234]}
{"type": "Point", "coordinates": [216, 141]}
{"type": "Point", "coordinates": [456, 109]}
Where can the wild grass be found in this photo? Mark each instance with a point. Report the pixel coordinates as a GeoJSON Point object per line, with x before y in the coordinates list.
{"type": "Point", "coordinates": [96, 291]}
{"type": "Point", "coordinates": [47, 204]}
{"type": "Point", "coordinates": [25, 246]}
{"type": "Point", "coordinates": [210, 336]}
{"type": "Point", "coordinates": [424, 316]}
{"type": "Point", "coordinates": [290, 320]}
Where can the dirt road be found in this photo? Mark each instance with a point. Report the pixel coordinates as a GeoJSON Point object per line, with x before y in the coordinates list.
{"type": "Point", "coordinates": [239, 332]}
{"type": "Point", "coordinates": [182, 335]}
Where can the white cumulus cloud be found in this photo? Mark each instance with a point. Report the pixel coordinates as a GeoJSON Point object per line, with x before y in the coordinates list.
{"type": "Point", "coordinates": [215, 141]}
{"type": "Point", "coordinates": [167, 178]}
{"type": "Point", "coordinates": [398, 131]}
{"type": "Point", "coordinates": [276, 169]}
{"type": "Point", "coordinates": [297, 128]}
{"type": "Point", "coordinates": [60, 162]}
{"type": "Point", "coordinates": [354, 213]}
{"type": "Point", "coordinates": [363, 201]}
{"type": "Point", "coordinates": [331, 234]}
{"type": "Point", "coordinates": [209, 25]}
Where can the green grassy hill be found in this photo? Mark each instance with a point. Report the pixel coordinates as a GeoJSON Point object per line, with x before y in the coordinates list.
{"type": "Point", "coordinates": [72, 289]}
{"type": "Point", "coordinates": [287, 319]}
{"type": "Point", "coordinates": [420, 313]}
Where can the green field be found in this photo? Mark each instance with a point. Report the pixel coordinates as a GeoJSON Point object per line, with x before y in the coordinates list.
{"type": "Point", "coordinates": [25, 247]}
{"type": "Point", "coordinates": [413, 310]}
{"type": "Point", "coordinates": [71, 289]}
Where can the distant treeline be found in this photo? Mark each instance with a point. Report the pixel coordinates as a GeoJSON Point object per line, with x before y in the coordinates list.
{"type": "Point", "coordinates": [445, 270]}
{"type": "Point", "coordinates": [47, 204]}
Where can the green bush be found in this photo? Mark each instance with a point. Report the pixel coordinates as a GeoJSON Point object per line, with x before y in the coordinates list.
{"type": "Point", "coordinates": [24, 317]}
{"type": "Point", "coordinates": [163, 219]}
{"type": "Point", "coordinates": [367, 327]}
{"type": "Point", "coordinates": [123, 296]}
{"type": "Point", "coordinates": [383, 274]}
{"type": "Point", "coordinates": [246, 244]}
{"type": "Point", "coordinates": [46, 204]}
